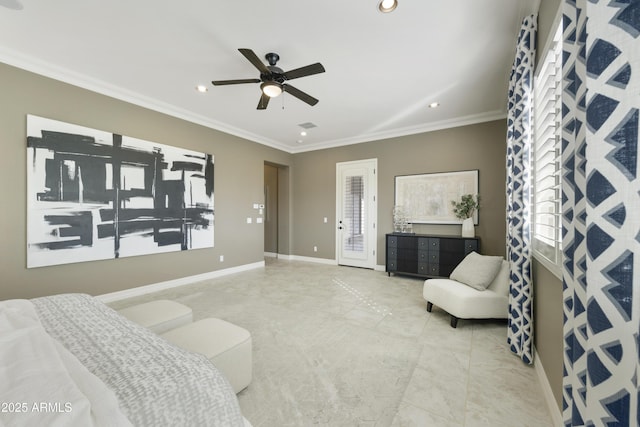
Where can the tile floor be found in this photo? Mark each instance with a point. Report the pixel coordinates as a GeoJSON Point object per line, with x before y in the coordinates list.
{"type": "Point", "coordinates": [341, 346]}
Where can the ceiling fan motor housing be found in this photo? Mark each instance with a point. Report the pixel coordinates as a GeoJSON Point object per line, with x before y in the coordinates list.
{"type": "Point", "coordinates": [272, 58]}
{"type": "Point", "coordinates": [276, 74]}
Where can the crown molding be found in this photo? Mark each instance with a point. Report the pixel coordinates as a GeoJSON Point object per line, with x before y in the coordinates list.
{"type": "Point", "coordinates": [65, 75]}
{"type": "Point", "coordinates": [410, 130]}
{"type": "Point", "coordinates": [71, 77]}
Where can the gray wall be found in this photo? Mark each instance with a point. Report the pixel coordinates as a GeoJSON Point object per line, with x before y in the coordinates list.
{"type": "Point", "coordinates": [481, 146]}
{"type": "Point", "coordinates": [547, 288]}
{"type": "Point", "coordinates": [239, 168]}
{"type": "Point", "coordinates": [548, 320]}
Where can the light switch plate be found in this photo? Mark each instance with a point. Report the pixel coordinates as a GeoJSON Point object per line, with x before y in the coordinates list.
{"type": "Point", "coordinates": [249, 220]}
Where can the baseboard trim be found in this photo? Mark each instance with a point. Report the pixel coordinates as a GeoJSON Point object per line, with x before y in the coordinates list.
{"type": "Point", "coordinates": [271, 255]}
{"type": "Point", "coordinates": [313, 259]}
{"type": "Point", "coordinates": [155, 287]}
{"type": "Point", "coordinates": [554, 411]}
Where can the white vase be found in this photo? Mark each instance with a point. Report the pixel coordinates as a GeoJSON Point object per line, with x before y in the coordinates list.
{"type": "Point", "coordinates": [468, 230]}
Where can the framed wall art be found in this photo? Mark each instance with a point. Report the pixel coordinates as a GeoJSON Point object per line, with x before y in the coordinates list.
{"type": "Point", "coordinates": [426, 198]}
{"type": "Point", "coordinates": [95, 195]}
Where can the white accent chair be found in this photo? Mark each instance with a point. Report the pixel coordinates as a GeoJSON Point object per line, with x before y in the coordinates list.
{"type": "Point", "coordinates": [464, 302]}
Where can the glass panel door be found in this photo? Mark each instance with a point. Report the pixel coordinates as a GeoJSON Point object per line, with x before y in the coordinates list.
{"type": "Point", "coordinates": [356, 188]}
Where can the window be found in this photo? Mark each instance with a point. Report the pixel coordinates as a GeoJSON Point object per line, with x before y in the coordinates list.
{"type": "Point", "coordinates": [547, 122]}
{"type": "Point", "coordinates": [354, 211]}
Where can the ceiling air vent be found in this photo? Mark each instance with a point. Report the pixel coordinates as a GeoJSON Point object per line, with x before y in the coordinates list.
{"type": "Point", "coordinates": [307, 125]}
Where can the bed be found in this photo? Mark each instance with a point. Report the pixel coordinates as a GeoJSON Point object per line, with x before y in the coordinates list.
{"type": "Point", "coordinates": [70, 360]}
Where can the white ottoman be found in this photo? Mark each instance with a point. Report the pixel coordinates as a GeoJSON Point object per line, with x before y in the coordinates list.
{"type": "Point", "coordinates": [228, 346]}
{"type": "Point", "coordinates": [159, 316]}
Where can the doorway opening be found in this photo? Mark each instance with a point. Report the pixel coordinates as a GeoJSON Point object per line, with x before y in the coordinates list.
{"type": "Point", "coordinates": [276, 210]}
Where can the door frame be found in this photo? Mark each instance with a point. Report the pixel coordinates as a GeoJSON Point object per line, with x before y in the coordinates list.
{"type": "Point", "coordinates": [371, 212]}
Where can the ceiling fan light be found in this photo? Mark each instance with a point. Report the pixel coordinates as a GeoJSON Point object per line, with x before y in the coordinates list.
{"type": "Point", "coordinates": [386, 6]}
{"type": "Point", "coordinates": [271, 89]}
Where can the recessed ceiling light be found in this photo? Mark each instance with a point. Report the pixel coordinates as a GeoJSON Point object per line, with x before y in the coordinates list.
{"type": "Point", "coordinates": [434, 105]}
{"type": "Point", "coordinates": [201, 88]}
{"type": "Point", "coordinates": [303, 133]}
{"type": "Point", "coordinates": [386, 6]}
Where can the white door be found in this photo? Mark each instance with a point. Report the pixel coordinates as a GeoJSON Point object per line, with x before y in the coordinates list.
{"type": "Point", "coordinates": [356, 211]}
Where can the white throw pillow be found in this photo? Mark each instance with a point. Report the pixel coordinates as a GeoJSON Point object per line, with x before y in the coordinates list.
{"type": "Point", "coordinates": [477, 271]}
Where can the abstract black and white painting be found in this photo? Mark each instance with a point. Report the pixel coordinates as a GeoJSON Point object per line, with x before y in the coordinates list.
{"type": "Point", "coordinates": [96, 195]}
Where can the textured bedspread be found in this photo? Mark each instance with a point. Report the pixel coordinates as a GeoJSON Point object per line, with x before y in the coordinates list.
{"type": "Point", "coordinates": [42, 383]}
{"type": "Point", "coordinates": [156, 383]}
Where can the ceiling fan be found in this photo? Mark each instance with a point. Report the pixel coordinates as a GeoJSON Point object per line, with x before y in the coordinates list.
{"type": "Point", "coordinates": [273, 79]}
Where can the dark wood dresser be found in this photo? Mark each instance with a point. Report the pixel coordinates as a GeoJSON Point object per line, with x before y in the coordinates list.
{"type": "Point", "coordinates": [426, 255]}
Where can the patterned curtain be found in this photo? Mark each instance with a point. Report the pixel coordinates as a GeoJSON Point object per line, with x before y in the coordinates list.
{"type": "Point", "coordinates": [519, 140]}
{"type": "Point", "coordinates": [601, 212]}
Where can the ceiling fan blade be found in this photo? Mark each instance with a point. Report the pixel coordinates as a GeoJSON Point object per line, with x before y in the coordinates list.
{"type": "Point", "coordinates": [234, 82]}
{"type": "Point", "coordinates": [300, 94]}
{"type": "Point", "coordinates": [253, 58]}
{"type": "Point", "coordinates": [264, 101]}
{"type": "Point", "coordinates": [304, 71]}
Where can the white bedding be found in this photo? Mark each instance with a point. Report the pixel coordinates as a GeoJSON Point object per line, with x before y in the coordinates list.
{"type": "Point", "coordinates": [82, 364]}
{"type": "Point", "coordinates": [42, 383]}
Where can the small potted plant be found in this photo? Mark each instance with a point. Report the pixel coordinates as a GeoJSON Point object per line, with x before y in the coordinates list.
{"type": "Point", "coordinates": [464, 210]}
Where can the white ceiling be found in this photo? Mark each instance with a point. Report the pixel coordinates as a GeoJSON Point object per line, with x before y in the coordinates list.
{"type": "Point", "coordinates": [382, 70]}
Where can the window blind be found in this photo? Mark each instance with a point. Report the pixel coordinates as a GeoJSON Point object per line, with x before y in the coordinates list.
{"type": "Point", "coordinates": [547, 195]}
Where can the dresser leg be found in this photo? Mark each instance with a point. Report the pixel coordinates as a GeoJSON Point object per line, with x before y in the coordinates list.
{"type": "Point", "coordinates": [429, 306]}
